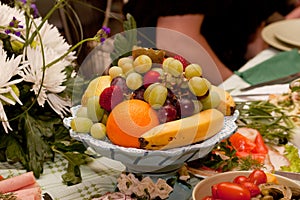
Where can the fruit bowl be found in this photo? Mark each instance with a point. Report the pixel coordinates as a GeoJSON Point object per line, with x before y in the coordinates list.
{"type": "Point", "coordinates": [153, 161]}
{"type": "Point", "coordinates": [149, 98]}
{"type": "Point", "coordinates": [203, 188]}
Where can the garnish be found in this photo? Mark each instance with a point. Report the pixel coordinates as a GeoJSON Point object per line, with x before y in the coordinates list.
{"type": "Point", "coordinates": [223, 158]}
{"type": "Point", "coordinates": [291, 153]}
{"type": "Point", "coordinates": [270, 120]}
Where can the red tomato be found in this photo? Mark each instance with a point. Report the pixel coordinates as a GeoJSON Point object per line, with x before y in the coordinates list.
{"type": "Point", "coordinates": [241, 143]}
{"type": "Point", "coordinates": [232, 191]}
{"type": "Point", "coordinates": [254, 189]}
{"type": "Point", "coordinates": [1, 178]}
{"type": "Point", "coordinates": [257, 177]}
{"type": "Point", "coordinates": [214, 190]}
{"type": "Point", "coordinates": [240, 179]}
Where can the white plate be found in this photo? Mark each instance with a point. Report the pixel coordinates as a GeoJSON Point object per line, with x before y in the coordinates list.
{"type": "Point", "coordinates": [288, 31]}
{"type": "Point", "coordinates": [268, 35]}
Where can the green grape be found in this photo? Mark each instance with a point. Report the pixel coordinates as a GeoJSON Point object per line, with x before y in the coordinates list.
{"type": "Point", "coordinates": [126, 64]}
{"type": "Point", "coordinates": [148, 90]}
{"type": "Point", "coordinates": [198, 107]}
{"type": "Point", "coordinates": [142, 64]}
{"type": "Point", "coordinates": [198, 86]}
{"type": "Point", "coordinates": [115, 71]}
{"type": "Point", "coordinates": [82, 112]}
{"type": "Point", "coordinates": [207, 83]}
{"type": "Point", "coordinates": [124, 60]}
{"type": "Point", "coordinates": [98, 131]}
{"type": "Point", "coordinates": [134, 81]}
{"type": "Point", "coordinates": [81, 124]}
{"type": "Point", "coordinates": [94, 110]}
{"type": "Point", "coordinates": [193, 70]}
{"type": "Point", "coordinates": [173, 66]}
{"type": "Point", "coordinates": [212, 100]}
{"type": "Point", "coordinates": [156, 95]}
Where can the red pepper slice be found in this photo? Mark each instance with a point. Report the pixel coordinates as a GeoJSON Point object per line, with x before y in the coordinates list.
{"type": "Point", "coordinates": [241, 143]}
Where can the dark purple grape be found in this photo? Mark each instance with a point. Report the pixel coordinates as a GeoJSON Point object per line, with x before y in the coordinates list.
{"type": "Point", "coordinates": [139, 94]}
{"type": "Point", "coordinates": [187, 107]}
{"type": "Point", "coordinates": [121, 83]}
{"type": "Point", "coordinates": [167, 113]}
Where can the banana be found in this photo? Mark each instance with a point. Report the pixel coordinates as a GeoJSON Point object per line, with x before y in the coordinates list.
{"type": "Point", "coordinates": [189, 130]}
{"type": "Point", "coordinates": [227, 105]}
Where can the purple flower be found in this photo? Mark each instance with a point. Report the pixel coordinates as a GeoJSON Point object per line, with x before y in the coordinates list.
{"type": "Point", "coordinates": [106, 30]}
{"type": "Point", "coordinates": [7, 31]}
{"type": "Point", "coordinates": [35, 11]}
{"type": "Point", "coordinates": [17, 33]}
{"type": "Point", "coordinates": [103, 33]}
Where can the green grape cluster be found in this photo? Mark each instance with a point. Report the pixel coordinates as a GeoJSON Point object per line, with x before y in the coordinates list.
{"type": "Point", "coordinates": [171, 88]}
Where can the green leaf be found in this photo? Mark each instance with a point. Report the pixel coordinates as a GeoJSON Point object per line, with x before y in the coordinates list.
{"type": "Point", "coordinates": [73, 175]}
{"type": "Point", "coordinates": [14, 151]}
{"type": "Point", "coordinates": [125, 41]}
{"type": "Point", "coordinates": [38, 149]}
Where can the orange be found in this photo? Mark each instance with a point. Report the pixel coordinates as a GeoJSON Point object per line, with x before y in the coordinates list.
{"type": "Point", "coordinates": [128, 121]}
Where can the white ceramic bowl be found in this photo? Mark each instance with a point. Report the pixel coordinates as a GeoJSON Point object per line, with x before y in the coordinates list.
{"type": "Point", "coordinates": [203, 188]}
{"type": "Point", "coordinates": [154, 161]}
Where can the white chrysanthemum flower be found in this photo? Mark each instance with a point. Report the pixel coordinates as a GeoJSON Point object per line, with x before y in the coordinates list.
{"type": "Point", "coordinates": [54, 76]}
{"type": "Point", "coordinates": [8, 68]}
{"type": "Point", "coordinates": [8, 13]}
{"type": "Point", "coordinates": [51, 38]}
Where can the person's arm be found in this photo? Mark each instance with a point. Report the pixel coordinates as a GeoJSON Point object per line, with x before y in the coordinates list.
{"type": "Point", "coordinates": [190, 26]}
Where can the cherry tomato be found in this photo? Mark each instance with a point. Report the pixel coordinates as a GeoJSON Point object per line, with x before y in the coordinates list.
{"type": "Point", "coordinates": [254, 189]}
{"type": "Point", "coordinates": [240, 179]}
{"type": "Point", "coordinates": [231, 191]}
{"type": "Point", "coordinates": [214, 189]}
{"type": "Point", "coordinates": [257, 177]}
{"type": "Point", "coordinates": [1, 178]}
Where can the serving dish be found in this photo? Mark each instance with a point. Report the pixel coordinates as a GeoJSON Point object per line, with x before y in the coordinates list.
{"type": "Point", "coordinates": [203, 188]}
{"type": "Point", "coordinates": [153, 161]}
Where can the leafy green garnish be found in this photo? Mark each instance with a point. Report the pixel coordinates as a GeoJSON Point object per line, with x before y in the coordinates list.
{"type": "Point", "coordinates": [291, 153]}
{"type": "Point", "coordinates": [270, 120]}
{"type": "Point", "coordinates": [223, 158]}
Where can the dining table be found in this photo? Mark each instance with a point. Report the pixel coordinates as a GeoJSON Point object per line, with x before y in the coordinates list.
{"type": "Point", "coordinates": [100, 176]}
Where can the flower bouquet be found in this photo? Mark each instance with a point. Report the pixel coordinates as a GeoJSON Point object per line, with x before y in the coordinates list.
{"type": "Point", "coordinates": [37, 68]}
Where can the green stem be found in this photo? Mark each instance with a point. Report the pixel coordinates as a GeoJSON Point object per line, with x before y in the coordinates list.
{"type": "Point", "coordinates": [70, 50]}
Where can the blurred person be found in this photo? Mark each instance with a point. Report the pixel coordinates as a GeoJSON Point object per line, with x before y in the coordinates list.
{"type": "Point", "coordinates": [229, 30]}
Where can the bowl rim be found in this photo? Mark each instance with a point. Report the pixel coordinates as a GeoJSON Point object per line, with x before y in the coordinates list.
{"type": "Point", "coordinates": [229, 127]}
{"type": "Point", "coordinates": [237, 173]}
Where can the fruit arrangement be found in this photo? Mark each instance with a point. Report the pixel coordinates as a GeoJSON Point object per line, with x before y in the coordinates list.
{"type": "Point", "coordinates": [152, 101]}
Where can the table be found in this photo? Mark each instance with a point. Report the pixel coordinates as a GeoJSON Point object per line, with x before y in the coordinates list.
{"type": "Point", "coordinates": [101, 175]}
